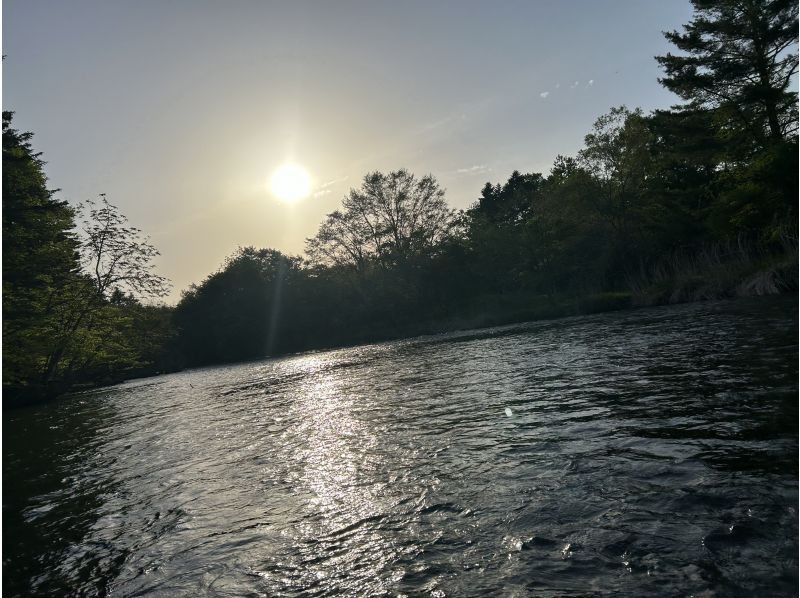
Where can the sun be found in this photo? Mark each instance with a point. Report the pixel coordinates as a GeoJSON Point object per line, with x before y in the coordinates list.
{"type": "Point", "coordinates": [290, 182]}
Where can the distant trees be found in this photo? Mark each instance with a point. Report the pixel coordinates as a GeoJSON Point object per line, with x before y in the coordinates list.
{"type": "Point", "coordinates": [237, 312]}
{"type": "Point", "coordinates": [391, 219]}
{"type": "Point", "coordinates": [366, 277]}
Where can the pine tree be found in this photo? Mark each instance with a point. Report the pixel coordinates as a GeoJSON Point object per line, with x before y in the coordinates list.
{"type": "Point", "coordinates": [739, 61]}
{"type": "Point", "coordinates": [40, 258]}
{"type": "Point", "coordinates": [733, 144]}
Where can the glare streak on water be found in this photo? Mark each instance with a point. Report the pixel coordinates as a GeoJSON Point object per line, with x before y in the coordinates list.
{"type": "Point", "coordinates": [651, 452]}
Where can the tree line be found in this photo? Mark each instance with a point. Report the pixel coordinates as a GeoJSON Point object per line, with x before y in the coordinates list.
{"type": "Point", "coordinates": [697, 201]}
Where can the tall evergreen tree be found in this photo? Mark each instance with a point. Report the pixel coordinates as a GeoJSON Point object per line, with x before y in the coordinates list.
{"type": "Point", "coordinates": [739, 60]}
{"type": "Point", "coordinates": [40, 258]}
{"type": "Point", "coordinates": [736, 73]}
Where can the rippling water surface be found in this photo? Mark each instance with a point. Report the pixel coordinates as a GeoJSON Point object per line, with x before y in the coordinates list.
{"type": "Point", "coordinates": [649, 452]}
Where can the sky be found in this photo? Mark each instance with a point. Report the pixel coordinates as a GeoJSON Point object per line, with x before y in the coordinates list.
{"type": "Point", "coordinates": [181, 110]}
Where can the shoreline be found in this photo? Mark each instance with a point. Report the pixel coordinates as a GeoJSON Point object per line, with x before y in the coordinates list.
{"type": "Point", "coordinates": [552, 308]}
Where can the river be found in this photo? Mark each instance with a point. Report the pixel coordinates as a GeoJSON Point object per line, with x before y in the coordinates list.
{"type": "Point", "coordinates": [645, 452]}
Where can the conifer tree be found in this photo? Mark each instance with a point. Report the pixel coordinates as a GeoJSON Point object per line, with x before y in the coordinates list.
{"type": "Point", "coordinates": [40, 257]}
{"type": "Point", "coordinates": [739, 57]}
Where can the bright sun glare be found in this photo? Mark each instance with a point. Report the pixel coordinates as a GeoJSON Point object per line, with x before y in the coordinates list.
{"type": "Point", "coordinates": [290, 182]}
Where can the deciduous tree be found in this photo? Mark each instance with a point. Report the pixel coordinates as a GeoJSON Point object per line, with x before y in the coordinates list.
{"type": "Point", "coordinates": [391, 219]}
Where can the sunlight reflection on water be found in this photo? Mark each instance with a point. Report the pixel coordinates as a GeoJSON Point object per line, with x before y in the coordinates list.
{"type": "Point", "coordinates": [648, 453]}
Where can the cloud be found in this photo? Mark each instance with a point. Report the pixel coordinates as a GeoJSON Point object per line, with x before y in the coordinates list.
{"type": "Point", "coordinates": [333, 182]}
{"type": "Point", "coordinates": [574, 85]}
{"type": "Point", "coordinates": [441, 122]}
{"type": "Point", "coordinates": [544, 94]}
{"type": "Point", "coordinates": [477, 169]}
{"type": "Point", "coordinates": [591, 82]}
{"type": "Point", "coordinates": [323, 189]}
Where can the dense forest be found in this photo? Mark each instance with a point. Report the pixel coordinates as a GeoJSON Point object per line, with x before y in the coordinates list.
{"type": "Point", "coordinates": [695, 202]}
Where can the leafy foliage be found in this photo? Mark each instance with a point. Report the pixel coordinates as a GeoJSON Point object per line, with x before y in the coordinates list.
{"type": "Point", "coordinates": [40, 257]}
{"type": "Point", "coordinates": [391, 219]}
{"type": "Point", "coordinates": [66, 316]}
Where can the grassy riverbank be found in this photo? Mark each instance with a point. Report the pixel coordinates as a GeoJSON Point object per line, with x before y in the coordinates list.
{"type": "Point", "coordinates": [719, 271]}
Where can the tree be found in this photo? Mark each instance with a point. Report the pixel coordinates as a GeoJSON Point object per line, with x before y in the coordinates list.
{"type": "Point", "coordinates": [71, 308]}
{"type": "Point", "coordinates": [512, 203]}
{"type": "Point", "coordinates": [617, 155]}
{"type": "Point", "coordinates": [391, 219]}
{"type": "Point", "coordinates": [116, 258]}
{"type": "Point", "coordinates": [501, 247]}
{"type": "Point", "coordinates": [736, 76]}
{"type": "Point", "coordinates": [686, 155]}
{"type": "Point", "coordinates": [573, 236]}
{"type": "Point", "coordinates": [739, 63]}
{"type": "Point", "coordinates": [241, 311]}
{"type": "Point", "coordinates": [343, 239]}
{"type": "Point", "coordinates": [40, 258]}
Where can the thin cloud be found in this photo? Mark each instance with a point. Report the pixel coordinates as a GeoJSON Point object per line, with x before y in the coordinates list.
{"type": "Point", "coordinates": [591, 82]}
{"type": "Point", "coordinates": [441, 122]}
{"type": "Point", "coordinates": [333, 182]}
{"type": "Point", "coordinates": [476, 169]}
{"type": "Point", "coordinates": [544, 94]}
{"type": "Point", "coordinates": [574, 85]}
{"type": "Point", "coordinates": [558, 85]}
{"type": "Point", "coordinates": [323, 189]}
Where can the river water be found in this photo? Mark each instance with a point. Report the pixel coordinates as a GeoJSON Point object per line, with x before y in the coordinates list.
{"type": "Point", "coordinates": [648, 452]}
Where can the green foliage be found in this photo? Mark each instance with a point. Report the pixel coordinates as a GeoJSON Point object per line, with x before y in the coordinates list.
{"type": "Point", "coordinates": [39, 259]}
{"type": "Point", "coordinates": [738, 61]}
{"type": "Point", "coordinates": [731, 149]}
{"type": "Point", "coordinates": [760, 197]}
{"type": "Point", "coordinates": [65, 317]}
{"type": "Point", "coordinates": [237, 312]}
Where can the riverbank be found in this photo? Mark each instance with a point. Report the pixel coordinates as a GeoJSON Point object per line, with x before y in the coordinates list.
{"type": "Point", "coordinates": [718, 272]}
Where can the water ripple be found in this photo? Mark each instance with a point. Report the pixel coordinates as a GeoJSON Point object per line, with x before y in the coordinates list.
{"type": "Point", "coordinates": [651, 452]}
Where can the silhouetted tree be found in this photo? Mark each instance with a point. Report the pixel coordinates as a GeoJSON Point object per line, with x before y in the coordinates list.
{"type": "Point", "coordinates": [117, 256]}
{"type": "Point", "coordinates": [617, 154]}
{"type": "Point", "coordinates": [391, 219]}
{"type": "Point", "coordinates": [513, 202]}
{"type": "Point", "coordinates": [736, 75]}
{"type": "Point", "coordinates": [240, 311]}
{"type": "Point", "coordinates": [739, 62]}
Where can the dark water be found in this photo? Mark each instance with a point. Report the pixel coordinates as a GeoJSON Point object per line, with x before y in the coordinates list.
{"type": "Point", "coordinates": [651, 452]}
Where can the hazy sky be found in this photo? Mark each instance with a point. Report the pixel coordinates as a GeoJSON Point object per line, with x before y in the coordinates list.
{"type": "Point", "coordinates": [180, 110]}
